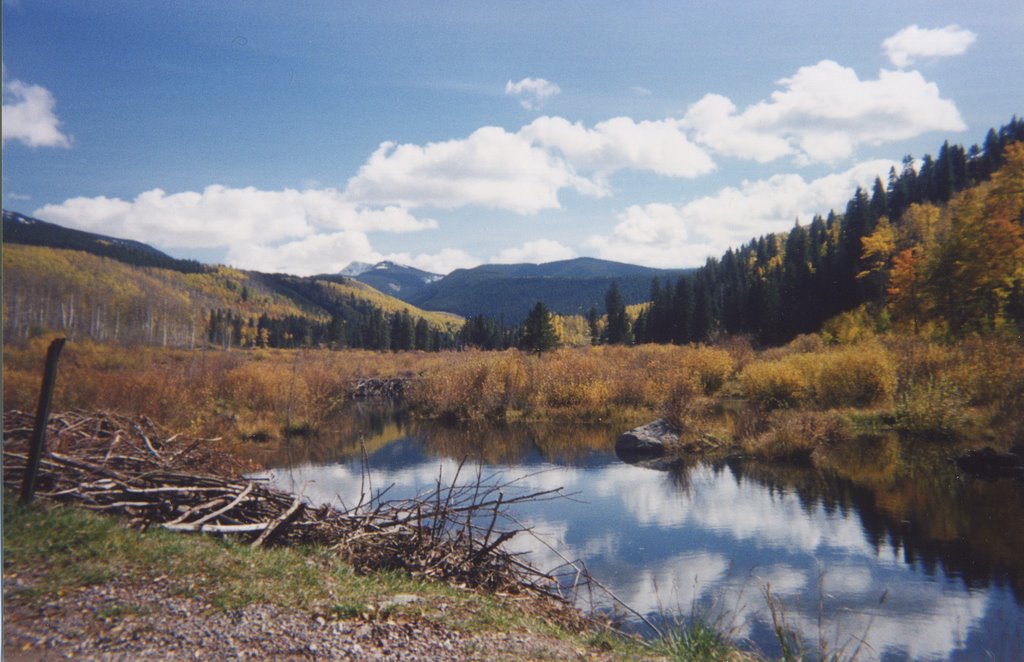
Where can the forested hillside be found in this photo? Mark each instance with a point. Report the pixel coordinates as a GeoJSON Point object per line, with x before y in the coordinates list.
{"type": "Point", "coordinates": [507, 292]}
{"type": "Point", "coordinates": [21, 229]}
{"type": "Point", "coordinates": [940, 245]}
{"type": "Point", "coordinates": [88, 296]}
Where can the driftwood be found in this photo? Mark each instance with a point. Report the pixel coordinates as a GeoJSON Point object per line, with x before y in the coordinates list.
{"type": "Point", "coordinates": [129, 467]}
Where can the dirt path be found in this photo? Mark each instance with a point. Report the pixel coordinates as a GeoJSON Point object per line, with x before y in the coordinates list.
{"type": "Point", "coordinates": [126, 620]}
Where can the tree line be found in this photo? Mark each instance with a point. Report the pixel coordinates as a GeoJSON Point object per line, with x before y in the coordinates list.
{"type": "Point", "coordinates": [376, 330]}
{"type": "Point", "coordinates": [939, 243]}
{"type": "Point", "coordinates": [942, 241]}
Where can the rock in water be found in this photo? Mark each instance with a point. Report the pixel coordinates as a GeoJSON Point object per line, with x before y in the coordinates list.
{"type": "Point", "coordinates": [647, 440]}
{"type": "Point", "coordinates": [988, 463]}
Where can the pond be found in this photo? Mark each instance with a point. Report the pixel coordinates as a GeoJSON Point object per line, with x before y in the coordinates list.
{"type": "Point", "coordinates": [889, 553]}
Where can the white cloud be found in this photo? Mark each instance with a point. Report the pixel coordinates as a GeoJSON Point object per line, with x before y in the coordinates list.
{"type": "Point", "coordinates": [222, 216]}
{"type": "Point", "coordinates": [658, 146]}
{"type": "Point", "coordinates": [301, 232]}
{"type": "Point", "coordinates": [912, 43]}
{"type": "Point", "coordinates": [316, 254]}
{"type": "Point", "coordinates": [490, 168]}
{"type": "Point", "coordinates": [717, 125]}
{"type": "Point", "coordinates": [28, 115]}
{"type": "Point", "coordinates": [536, 252]}
{"type": "Point", "coordinates": [532, 91]}
{"type": "Point", "coordinates": [443, 262]}
{"type": "Point", "coordinates": [664, 235]}
{"type": "Point", "coordinates": [524, 172]}
{"type": "Point", "coordinates": [823, 113]}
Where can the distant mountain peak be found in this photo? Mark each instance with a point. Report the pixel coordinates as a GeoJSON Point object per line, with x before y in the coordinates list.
{"type": "Point", "coordinates": [356, 269]}
{"type": "Point", "coordinates": [387, 276]}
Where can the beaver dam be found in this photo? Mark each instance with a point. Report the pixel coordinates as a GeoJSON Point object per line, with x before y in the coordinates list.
{"type": "Point", "coordinates": [117, 465]}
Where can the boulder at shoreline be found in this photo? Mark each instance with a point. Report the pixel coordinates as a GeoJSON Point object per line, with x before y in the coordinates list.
{"type": "Point", "coordinates": [649, 440]}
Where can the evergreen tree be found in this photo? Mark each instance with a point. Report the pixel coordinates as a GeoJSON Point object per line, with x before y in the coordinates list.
{"type": "Point", "coordinates": [423, 336]}
{"type": "Point", "coordinates": [595, 331]}
{"type": "Point", "coordinates": [682, 311]}
{"type": "Point", "coordinates": [538, 330]}
{"type": "Point", "coordinates": [617, 330]}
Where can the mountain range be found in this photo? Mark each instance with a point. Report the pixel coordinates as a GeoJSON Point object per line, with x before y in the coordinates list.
{"type": "Point", "coordinates": [508, 291]}
{"type": "Point", "coordinates": [391, 278]}
{"type": "Point", "coordinates": [500, 291]}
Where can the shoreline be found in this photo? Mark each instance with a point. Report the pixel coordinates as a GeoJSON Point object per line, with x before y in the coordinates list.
{"type": "Point", "coordinates": [80, 583]}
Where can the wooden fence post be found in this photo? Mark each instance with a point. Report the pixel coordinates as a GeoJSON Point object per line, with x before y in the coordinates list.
{"type": "Point", "coordinates": [38, 443]}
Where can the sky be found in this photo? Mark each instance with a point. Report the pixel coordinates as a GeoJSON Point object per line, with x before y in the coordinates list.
{"type": "Point", "coordinates": [301, 137]}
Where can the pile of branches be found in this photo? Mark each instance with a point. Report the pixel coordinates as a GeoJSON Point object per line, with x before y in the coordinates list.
{"type": "Point", "coordinates": [130, 468]}
{"type": "Point", "coordinates": [393, 388]}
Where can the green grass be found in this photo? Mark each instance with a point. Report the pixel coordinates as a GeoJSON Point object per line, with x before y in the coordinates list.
{"type": "Point", "coordinates": [696, 640]}
{"type": "Point", "coordinates": [57, 549]}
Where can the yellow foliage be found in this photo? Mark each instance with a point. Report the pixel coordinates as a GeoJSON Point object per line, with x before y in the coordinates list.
{"type": "Point", "coordinates": [878, 247]}
{"type": "Point", "coordinates": [850, 327]}
{"type": "Point", "coordinates": [775, 384]}
{"type": "Point", "coordinates": [572, 330]}
{"type": "Point", "coordinates": [855, 376]}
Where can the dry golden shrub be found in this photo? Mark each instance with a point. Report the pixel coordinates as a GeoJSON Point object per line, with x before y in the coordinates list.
{"type": "Point", "coordinates": [262, 386]}
{"type": "Point", "coordinates": [798, 434]}
{"type": "Point", "coordinates": [740, 348]}
{"type": "Point", "coordinates": [854, 376]}
{"type": "Point", "coordinates": [990, 372]}
{"type": "Point", "coordinates": [931, 409]}
{"type": "Point", "coordinates": [202, 391]}
{"type": "Point", "coordinates": [685, 405]}
{"type": "Point", "coordinates": [642, 376]}
{"type": "Point", "coordinates": [712, 366]}
{"type": "Point", "coordinates": [774, 384]}
{"type": "Point", "coordinates": [474, 385]}
{"type": "Point", "coordinates": [581, 382]}
{"type": "Point", "coordinates": [806, 343]}
{"type": "Point", "coordinates": [919, 360]}
{"type": "Point", "coordinates": [849, 328]}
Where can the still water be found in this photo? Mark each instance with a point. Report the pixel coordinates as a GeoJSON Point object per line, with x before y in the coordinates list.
{"type": "Point", "coordinates": [881, 555]}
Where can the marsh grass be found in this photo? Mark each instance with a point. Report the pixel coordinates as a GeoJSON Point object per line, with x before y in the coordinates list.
{"type": "Point", "coordinates": [799, 435]}
{"type": "Point", "coordinates": [934, 409]}
{"type": "Point", "coordinates": [264, 394]}
{"type": "Point", "coordinates": [696, 639]}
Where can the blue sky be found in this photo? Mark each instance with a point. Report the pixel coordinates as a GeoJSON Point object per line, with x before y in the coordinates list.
{"type": "Point", "coordinates": [300, 137]}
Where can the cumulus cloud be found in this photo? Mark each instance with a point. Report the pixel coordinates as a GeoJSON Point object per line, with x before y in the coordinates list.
{"type": "Point", "coordinates": [315, 254]}
{"type": "Point", "coordinates": [524, 172]}
{"type": "Point", "coordinates": [443, 262]}
{"type": "Point", "coordinates": [221, 216]}
{"type": "Point", "coordinates": [28, 115]}
{"type": "Point", "coordinates": [823, 113]}
{"type": "Point", "coordinates": [302, 232]}
{"type": "Point", "coordinates": [532, 91]}
{"type": "Point", "coordinates": [666, 235]}
{"type": "Point", "coordinates": [619, 143]}
{"type": "Point", "coordinates": [490, 168]}
{"type": "Point", "coordinates": [913, 43]}
{"type": "Point", "coordinates": [535, 252]}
